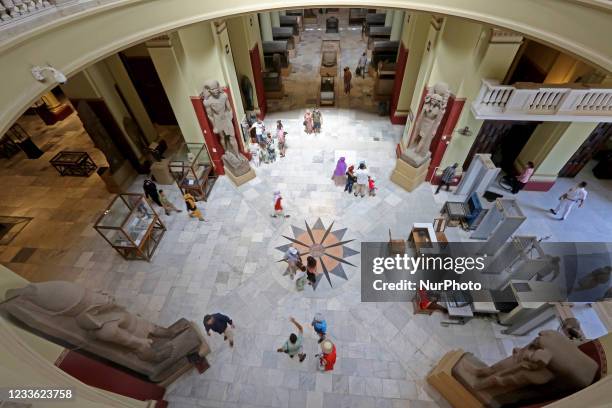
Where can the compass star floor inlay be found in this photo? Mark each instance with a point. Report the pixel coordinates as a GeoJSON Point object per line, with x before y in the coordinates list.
{"type": "Point", "coordinates": [325, 245]}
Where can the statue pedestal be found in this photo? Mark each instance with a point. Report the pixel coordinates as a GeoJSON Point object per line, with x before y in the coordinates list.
{"type": "Point", "coordinates": [441, 378]}
{"type": "Point", "coordinates": [239, 180]}
{"type": "Point", "coordinates": [408, 176]}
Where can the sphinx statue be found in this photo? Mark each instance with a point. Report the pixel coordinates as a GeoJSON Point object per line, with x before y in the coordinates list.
{"type": "Point", "coordinates": [94, 322]}
{"type": "Point", "coordinates": [549, 367]}
{"type": "Point", "coordinates": [219, 112]}
{"type": "Point", "coordinates": [427, 124]}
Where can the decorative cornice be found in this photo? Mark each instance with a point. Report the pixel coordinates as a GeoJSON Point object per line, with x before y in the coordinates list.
{"type": "Point", "coordinates": [220, 26]}
{"type": "Point", "coordinates": [499, 36]}
{"type": "Point", "coordinates": [161, 41]}
{"type": "Point", "coordinates": [436, 22]}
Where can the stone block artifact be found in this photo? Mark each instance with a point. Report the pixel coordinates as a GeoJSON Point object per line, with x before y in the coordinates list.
{"type": "Point", "coordinates": [549, 367]}
{"type": "Point", "coordinates": [92, 321]}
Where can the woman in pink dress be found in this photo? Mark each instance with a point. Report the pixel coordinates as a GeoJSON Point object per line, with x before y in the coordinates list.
{"type": "Point", "coordinates": [308, 123]}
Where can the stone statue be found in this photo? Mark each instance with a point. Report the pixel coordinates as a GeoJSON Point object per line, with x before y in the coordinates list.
{"type": "Point", "coordinates": [427, 123]}
{"type": "Point", "coordinates": [93, 321]}
{"type": "Point", "coordinates": [551, 366]}
{"type": "Point", "coordinates": [219, 112]}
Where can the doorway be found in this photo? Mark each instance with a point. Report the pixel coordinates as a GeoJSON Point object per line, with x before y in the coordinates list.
{"type": "Point", "coordinates": [504, 140]}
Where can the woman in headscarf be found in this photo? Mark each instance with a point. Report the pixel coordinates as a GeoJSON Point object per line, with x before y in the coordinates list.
{"type": "Point", "coordinates": [308, 123]}
{"type": "Point", "coordinates": [339, 175]}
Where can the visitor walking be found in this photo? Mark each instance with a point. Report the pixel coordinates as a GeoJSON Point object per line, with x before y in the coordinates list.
{"type": "Point", "coordinates": [308, 122]}
{"type": "Point", "coordinates": [320, 326]}
{"type": "Point", "coordinates": [280, 137]}
{"type": "Point", "coordinates": [350, 179]}
{"type": "Point", "coordinates": [567, 201]}
{"type": "Point", "coordinates": [294, 345]}
{"type": "Point", "coordinates": [192, 208]}
{"type": "Point", "coordinates": [271, 148]}
{"type": "Point", "coordinates": [255, 154]}
{"type": "Point", "coordinates": [167, 204]}
{"type": "Point", "coordinates": [150, 190]}
{"type": "Point", "coordinates": [260, 128]}
{"type": "Point", "coordinates": [278, 205]}
{"type": "Point", "coordinates": [522, 179]}
{"type": "Point", "coordinates": [339, 175]}
{"type": "Point", "coordinates": [362, 66]}
{"type": "Point", "coordinates": [221, 324]}
{"type": "Point", "coordinates": [311, 270]}
{"type": "Point", "coordinates": [362, 180]}
{"type": "Point", "coordinates": [447, 177]}
{"type": "Point", "coordinates": [347, 77]}
{"type": "Point", "coordinates": [300, 276]}
{"type": "Point", "coordinates": [371, 186]}
{"type": "Point", "coordinates": [292, 257]}
{"type": "Point", "coordinates": [327, 358]}
{"type": "Point", "coordinates": [316, 120]}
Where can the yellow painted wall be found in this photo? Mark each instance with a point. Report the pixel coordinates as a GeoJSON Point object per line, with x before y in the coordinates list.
{"type": "Point", "coordinates": [243, 37]}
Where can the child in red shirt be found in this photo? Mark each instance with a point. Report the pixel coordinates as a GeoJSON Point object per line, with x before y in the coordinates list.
{"type": "Point", "coordinates": [328, 358]}
{"type": "Point", "coordinates": [371, 186]}
{"type": "Point", "coordinates": [278, 205]}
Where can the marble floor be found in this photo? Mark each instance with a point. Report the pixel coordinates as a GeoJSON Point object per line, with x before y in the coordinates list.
{"type": "Point", "coordinates": [228, 264]}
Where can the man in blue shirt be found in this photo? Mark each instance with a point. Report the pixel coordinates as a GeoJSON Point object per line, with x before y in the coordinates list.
{"type": "Point", "coordinates": [220, 323]}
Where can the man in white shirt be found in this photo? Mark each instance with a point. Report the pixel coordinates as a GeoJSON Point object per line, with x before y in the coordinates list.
{"type": "Point", "coordinates": [567, 201]}
{"type": "Point", "coordinates": [259, 130]}
{"type": "Point", "coordinates": [362, 180]}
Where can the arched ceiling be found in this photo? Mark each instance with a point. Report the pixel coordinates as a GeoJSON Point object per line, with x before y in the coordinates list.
{"type": "Point", "coordinates": [580, 27]}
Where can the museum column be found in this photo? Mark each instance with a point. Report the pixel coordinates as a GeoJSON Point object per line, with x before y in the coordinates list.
{"type": "Point", "coordinates": [265, 25]}
{"type": "Point", "coordinates": [245, 43]}
{"type": "Point", "coordinates": [491, 60]}
{"type": "Point", "coordinates": [417, 43]}
{"type": "Point", "coordinates": [275, 18]}
{"type": "Point", "coordinates": [389, 17]}
{"type": "Point", "coordinates": [550, 146]}
{"type": "Point", "coordinates": [397, 25]}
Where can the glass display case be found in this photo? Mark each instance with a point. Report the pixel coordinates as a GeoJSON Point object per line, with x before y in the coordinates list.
{"type": "Point", "coordinates": [191, 168]}
{"type": "Point", "coordinates": [131, 226]}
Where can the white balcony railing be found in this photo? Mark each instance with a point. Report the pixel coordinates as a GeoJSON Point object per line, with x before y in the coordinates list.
{"type": "Point", "coordinates": [529, 101]}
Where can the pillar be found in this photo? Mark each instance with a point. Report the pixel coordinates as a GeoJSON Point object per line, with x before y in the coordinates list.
{"type": "Point", "coordinates": [275, 18]}
{"type": "Point", "coordinates": [131, 98]}
{"type": "Point", "coordinates": [491, 59]}
{"type": "Point", "coordinates": [265, 25]}
{"type": "Point", "coordinates": [550, 146]}
{"type": "Point", "coordinates": [283, 12]}
{"type": "Point", "coordinates": [245, 41]}
{"type": "Point", "coordinates": [388, 18]}
{"type": "Point", "coordinates": [398, 22]}
{"type": "Point", "coordinates": [96, 83]}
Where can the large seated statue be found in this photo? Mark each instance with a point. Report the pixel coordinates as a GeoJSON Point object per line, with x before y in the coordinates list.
{"type": "Point", "coordinates": [93, 321]}
{"type": "Point", "coordinates": [548, 368]}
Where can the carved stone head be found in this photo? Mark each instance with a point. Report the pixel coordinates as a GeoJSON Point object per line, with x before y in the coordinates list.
{"type": "Point", "coordinates": [212, 88]}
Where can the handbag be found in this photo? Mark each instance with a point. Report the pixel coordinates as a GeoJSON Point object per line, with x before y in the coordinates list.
{"type": "Point", "coordinates": [358, 71]}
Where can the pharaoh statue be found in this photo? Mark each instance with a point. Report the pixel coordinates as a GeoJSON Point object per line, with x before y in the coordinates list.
{"type": "Point", "coordinates": [551, 366]}
{"type": "Point", "coordinates": [427, 123]}
{"type": "Point", "coordinates": [219, 112]}
{"type": "Point", "coordinates": [93, 321]}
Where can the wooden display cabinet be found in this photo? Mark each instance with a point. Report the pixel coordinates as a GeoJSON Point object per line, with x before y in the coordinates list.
{"type": "Point", "coordinates": [327, 92]}
{"type": "Point", "coordinates": [191, 168]}
{"type": "Point", "coordinates": [131, 226]}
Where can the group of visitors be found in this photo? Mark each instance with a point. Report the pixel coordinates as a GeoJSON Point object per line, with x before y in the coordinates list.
{"type": "Point", "coordinates": [294, 346]}
{"type": "Point", "coordinates": [299, 272]}
{"type": "Point", "coordinates": [312, 121]}
{"type": "Point", "coordinates": [267, 145]}
{"type": "Point", "coordinates": [159, 197]}
{"type": "Point", "coordinates": [358, 180]}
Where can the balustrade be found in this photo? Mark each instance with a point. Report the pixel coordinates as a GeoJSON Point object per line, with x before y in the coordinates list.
{"type": "Point", "coordinates": [548, 102]}
{"type": "Point", "coordinates": [12, 10]}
